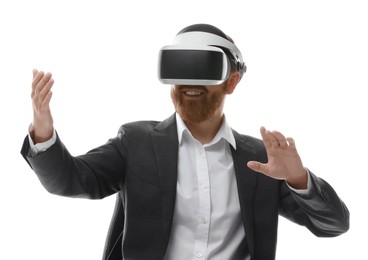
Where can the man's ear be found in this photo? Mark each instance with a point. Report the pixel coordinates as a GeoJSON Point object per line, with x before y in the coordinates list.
{"type": "Point", "coordinates": [232, 81]}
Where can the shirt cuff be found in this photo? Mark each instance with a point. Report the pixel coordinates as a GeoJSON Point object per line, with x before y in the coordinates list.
{"type": "Point", "coordinates": [41, 147]}
{"type": "Point", "coordinates": [304, 191]}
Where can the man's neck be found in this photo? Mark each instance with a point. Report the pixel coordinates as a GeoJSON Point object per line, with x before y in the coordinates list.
{"type": "Point", "coordinates": [205, 131]}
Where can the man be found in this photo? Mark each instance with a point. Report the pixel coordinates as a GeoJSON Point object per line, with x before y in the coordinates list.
{"type": "Point", "coordinates": [188, 187]}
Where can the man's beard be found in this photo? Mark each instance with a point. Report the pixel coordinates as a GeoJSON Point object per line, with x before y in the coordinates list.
{"type": "Point", "coordinates": [198, 109]}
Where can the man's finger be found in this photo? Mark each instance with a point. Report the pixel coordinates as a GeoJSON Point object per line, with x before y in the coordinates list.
{"type": "Point", "coordinates": [46, 101]}
{"type": "Point", "coordinates": [46, 89]}
{"type": "Point", "coordinates": [291, 142]}
{"type": "Point", "coordinates": [280, 138]}
{"type": "Point", "coordinates": [265, 138]}
{"type": "Point", "coordinates": [34, 72]}
{"type": "Point", "coordinates": [36, 78]}
{"type": "Point", "coordinates": [42, 82]}
{"type": "Point", "coordinates": [272, 138]}
{"type": "Point", "coordinates": [257, 166]}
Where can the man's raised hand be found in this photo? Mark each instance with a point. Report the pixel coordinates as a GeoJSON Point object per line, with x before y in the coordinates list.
{"type": "Point", "coordinates": [42, 127]}
{"type": "Point", "coordinates": [284, 162]}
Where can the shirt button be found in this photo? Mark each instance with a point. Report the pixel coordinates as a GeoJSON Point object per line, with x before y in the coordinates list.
{"type": "Point", "coordinates": [203, 220]}
{"type": "Point", "coordinates": [204, 186]}
{"type": "Point", "coordinates": [199, 255]}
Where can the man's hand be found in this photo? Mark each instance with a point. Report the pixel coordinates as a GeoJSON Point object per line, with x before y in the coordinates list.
{"type": "Point", "coordinates": [284, 162]}
{"type": "Point", "coordinates": [42, 127]}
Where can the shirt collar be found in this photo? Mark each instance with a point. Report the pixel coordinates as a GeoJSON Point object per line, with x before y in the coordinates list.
{"type": "Point", "coordinates": [224, 132]}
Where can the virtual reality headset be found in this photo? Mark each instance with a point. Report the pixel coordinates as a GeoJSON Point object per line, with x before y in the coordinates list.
{"type": "Point", "coordinates": [198, 58]}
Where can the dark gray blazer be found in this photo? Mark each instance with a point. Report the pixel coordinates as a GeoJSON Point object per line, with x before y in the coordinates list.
{"type": "Point", "coordinates": [140, 165]}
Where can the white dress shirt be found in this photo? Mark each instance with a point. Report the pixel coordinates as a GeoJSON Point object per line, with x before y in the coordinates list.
{"type": "Point", "coordinates": [207, 221]}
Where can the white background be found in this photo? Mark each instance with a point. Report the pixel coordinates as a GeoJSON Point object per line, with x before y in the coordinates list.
{"type": "Point", "coordinates": [307, 77]}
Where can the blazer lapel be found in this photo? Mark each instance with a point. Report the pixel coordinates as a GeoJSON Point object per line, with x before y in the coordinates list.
{"type": "Point", "coordinates": [165, 144]}
{"type": "Point", "coordinates": [247, 182]}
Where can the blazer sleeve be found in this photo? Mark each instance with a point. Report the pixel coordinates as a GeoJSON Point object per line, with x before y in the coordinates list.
{"type": "Point", "coordinates": [321, 210]}
{"type": "Point", "coordinates": [94, 175]}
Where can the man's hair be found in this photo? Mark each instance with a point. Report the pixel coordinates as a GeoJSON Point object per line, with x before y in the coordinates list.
{"type": "Point", "coordinates": [214, 30]}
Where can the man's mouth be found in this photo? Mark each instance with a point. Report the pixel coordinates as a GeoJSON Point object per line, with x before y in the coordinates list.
{"type": "Point", "coordinates": [193, 93]}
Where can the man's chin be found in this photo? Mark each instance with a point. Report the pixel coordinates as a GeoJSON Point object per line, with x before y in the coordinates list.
{"type": "Point", "coordinates": [193, 109]}
{"type": "Point", "coordinates": [192, 116]}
